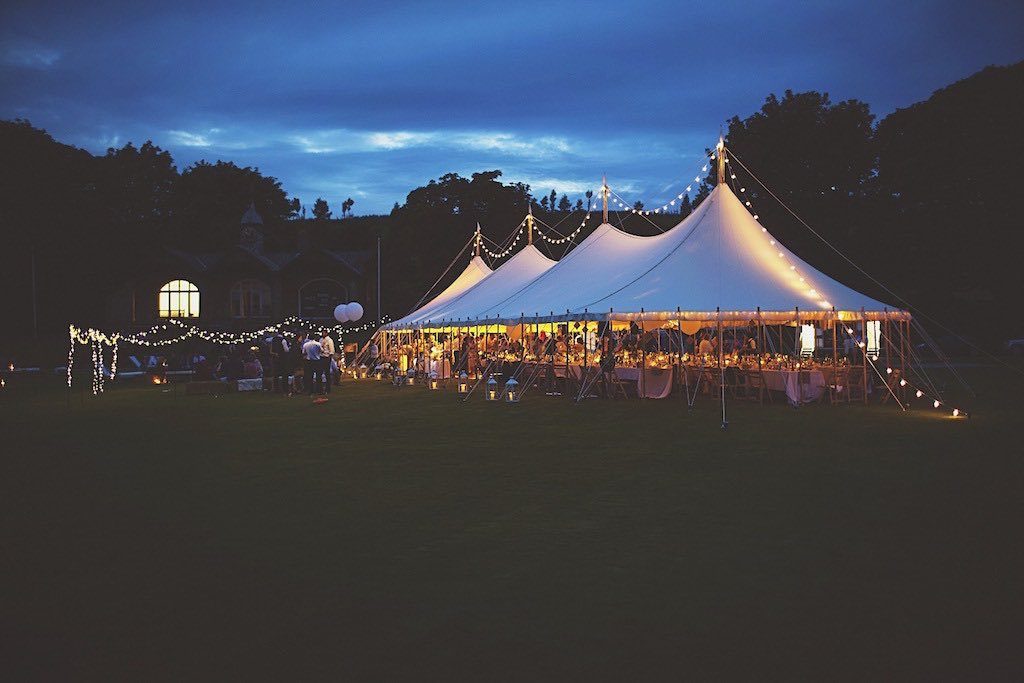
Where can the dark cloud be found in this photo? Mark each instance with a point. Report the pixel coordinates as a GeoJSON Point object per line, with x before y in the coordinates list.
{"type": "Point", "coordinates": [634, 89]}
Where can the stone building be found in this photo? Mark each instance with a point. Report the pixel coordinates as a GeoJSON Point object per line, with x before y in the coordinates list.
{"type": "Point", "coordinates": [245, 286]}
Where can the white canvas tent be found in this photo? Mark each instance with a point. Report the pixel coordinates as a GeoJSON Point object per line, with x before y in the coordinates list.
{"type": "Point", "coordinates": [719, 258]}
{"type": "Point", "coordinates": [718, 262]}
{"type": "Point", "coordinates": [475, 272]}
{"type": "Point", "coordinates": [519, 271]}
{"type": "Point", "coordinates": [718, 269]}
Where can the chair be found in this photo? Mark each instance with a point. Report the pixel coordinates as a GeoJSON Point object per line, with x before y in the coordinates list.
{"type": "Point", "coordinates": [711, 378]}
{"type": "Point", "coordinates": [617, 385]}
{"type": "Point", "coordinates": [752, 386]}
{"type": "Point", "coordinates": [733, 381]}
{"type": "Point", "coordinates": [893, 383]}
{"type": "Point", "coordinates": [839, 386]}
{"type": "Point", "coordinates": [856, 388]}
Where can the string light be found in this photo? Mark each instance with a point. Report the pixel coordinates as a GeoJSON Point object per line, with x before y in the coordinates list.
{"type": "Point", "coordinates": [97, 339]}
{"type": "Point", "coordinates": [664, 207]}
{"type": "Point", "coordinates": [567, 238]}
{"type": "Point", "coordinates": [918, 393]}
{"type": "Point", "coordinates": [508, 250]}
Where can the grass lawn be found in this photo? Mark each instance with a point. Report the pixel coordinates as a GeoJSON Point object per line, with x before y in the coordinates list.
{"type": "Point", "coordinates": [393, 533]}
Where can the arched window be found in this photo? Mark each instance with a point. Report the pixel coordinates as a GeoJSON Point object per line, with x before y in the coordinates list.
{"type": "Point", "coordinates": [179, 299]}
{"type": "Point", "coordinates": [250, 299]}
{"type": "Point", "coordinates": [318, 298]}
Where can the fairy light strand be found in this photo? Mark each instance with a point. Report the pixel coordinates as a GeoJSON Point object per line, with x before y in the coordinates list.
{"type": "Point", "coordinates": [97, 339]}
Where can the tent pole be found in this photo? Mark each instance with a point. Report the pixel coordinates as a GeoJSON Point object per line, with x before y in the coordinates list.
{"type": "Point", "coordinates": [568, 391]}
{"type": "Point", "coordinates": [604, 199]}
{"type": "Point", "coordinates": [799, 357]}
{"type": "Point", "coordinates": [551, 324]}
{"type": "Point", "coordinates": [835, 347]}
{"type": "Point", "coordinates": [721, 368]}
{"type": "Point", "coordinates": [864, 324]}
{"type": "Point", "coordinates": [643, 358]}
{"type": "Point", "coordinates": [685, 380]}
{"type": "Point", "coordinates": [904, 365]}
{"type": "Point", "coordinates": [586, 364]}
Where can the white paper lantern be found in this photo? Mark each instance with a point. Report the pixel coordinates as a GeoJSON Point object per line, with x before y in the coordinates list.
{"type": "Point", "coordinates": [341, 313]}
{"type": "Point", "coordinates": [355, 311]}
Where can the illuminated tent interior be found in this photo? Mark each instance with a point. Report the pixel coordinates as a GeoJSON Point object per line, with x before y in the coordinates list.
{"type": "Point", "coordinates": [717, 262]}
{"type": "Point", "coordinates": [718, 271]}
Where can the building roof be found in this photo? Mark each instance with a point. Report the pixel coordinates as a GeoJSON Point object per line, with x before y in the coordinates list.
{"type": "Point", "coordinates": [274, 261]}
{"type": "Point", "coordinates": [252, 216]}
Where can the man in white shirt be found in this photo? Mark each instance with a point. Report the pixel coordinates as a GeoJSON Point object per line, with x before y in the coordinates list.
{"type": "Point", "coordinates": [312, 351]}
{"type": "Point", "coordinates": [327, 347]}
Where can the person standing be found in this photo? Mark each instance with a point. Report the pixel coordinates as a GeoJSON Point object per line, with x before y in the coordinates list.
{"type": "Point", "coordinates": [279, 365]}
{"type": "Point", "coordinates": [313, 353]}
{"type": "Point", "coordinates": [374, 352]}
{"type": "Point", "coordinates": [327, 349]}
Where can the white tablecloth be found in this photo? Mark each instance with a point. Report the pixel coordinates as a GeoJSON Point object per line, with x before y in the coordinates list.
{"type": "Point", "coordinates": [657, 381]}
{"type": "Point", "coordinates": [789, 382]}
{"type": "Point", "coordinates": [443, 368]}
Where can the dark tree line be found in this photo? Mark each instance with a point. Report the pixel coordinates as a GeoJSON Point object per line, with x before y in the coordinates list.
{"type": "Point", "coordinates": [923, 200]}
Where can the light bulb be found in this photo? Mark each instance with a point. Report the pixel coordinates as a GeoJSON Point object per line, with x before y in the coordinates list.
{"type": "Point", "coordinates": [956, 412]}
{"type": "Point", "coordinates": [936, 404]}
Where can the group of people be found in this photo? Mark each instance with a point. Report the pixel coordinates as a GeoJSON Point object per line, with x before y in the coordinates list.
{"type": "Point", "coordinates": [312, 362]}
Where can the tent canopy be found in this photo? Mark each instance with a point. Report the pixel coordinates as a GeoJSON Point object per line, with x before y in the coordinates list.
{"type": "Point", "coordinates": [717, 262]}
{"type": "Point", "coordinates": [476, 271]}
{"type": "Point", "coordinates": [520, 270]}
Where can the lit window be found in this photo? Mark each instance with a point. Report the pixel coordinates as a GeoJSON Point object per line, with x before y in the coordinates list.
{"type": "Point", "coordinates": [179, 299]}
{"type": "Point", "coordinates": [250, 299]}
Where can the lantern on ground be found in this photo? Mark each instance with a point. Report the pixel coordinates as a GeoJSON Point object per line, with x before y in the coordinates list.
{"type": "Point", "coordinates": [463, 383]}
{"type": "Point", "coordinates": [378, 373]}
{"type": "Point", "coordinates": [363, 371]}
{"type": "Point", "coordinates": [492, 390]}
{"type": "Point", "coordinates": [432, 382]}
{"type": "Point", "coordinates": [410, 377]}
{"type": "Point", "coordinates": [512, 391]}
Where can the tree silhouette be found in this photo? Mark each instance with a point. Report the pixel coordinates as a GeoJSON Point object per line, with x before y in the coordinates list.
{"type": "Point", "coordinates": [579, 204]}
{"type": "Point", "coordinates": [552, 199]}
{"type": "Point", "coordinates": [321, 210]}
{"type": "Point", "coordinates": [564, 205]}
{"type": "Point", "coordinates": [544, 202]}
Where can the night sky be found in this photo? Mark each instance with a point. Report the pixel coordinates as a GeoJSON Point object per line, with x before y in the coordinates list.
{"type": "Point", "coordinates": [371, 99]}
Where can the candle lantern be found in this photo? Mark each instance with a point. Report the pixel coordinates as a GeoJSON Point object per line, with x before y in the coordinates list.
{"type": "Point", "coordinates": [432, 382]}
{"type": "Point", "coordinates": [492, 390]}
{"type": "Point", "coordinates": [512, 391]}
{"type": "Point", "coordinates": [410, 377]}
{"type": "Point", "coordinates": [363, 371]}
{"type": "Point", "coordinates": [463, 383]}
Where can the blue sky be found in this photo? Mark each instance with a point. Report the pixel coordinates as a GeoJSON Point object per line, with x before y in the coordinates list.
{"type": "Point", "coordinates": [371, 99]}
